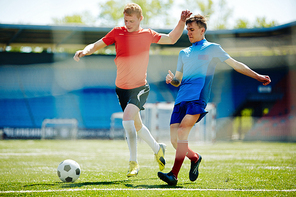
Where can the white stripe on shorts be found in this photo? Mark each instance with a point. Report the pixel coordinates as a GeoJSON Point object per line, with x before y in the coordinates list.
{"type": "Point", "coordinates": [140, 94]}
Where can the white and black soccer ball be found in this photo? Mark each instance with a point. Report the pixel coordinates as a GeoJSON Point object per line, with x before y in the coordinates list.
{"type": "Point", "coordinates": [68, 170]}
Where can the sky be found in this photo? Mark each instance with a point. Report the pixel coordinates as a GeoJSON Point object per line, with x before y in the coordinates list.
{"type": "Point", "coordinates": [41, 12]}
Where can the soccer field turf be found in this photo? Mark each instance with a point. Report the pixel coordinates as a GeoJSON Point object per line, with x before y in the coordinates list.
{"type": "Point", "coordinates": [28, 168]}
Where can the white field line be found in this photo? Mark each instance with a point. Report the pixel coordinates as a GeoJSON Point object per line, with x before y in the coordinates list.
{"type": "Point", "coordinates": [154, 189]}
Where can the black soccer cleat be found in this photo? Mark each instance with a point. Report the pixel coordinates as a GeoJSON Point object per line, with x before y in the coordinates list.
{"type": "Point", "coordinates": [193, 173]}
{"type": "Point", "coordinates": [169, 178]}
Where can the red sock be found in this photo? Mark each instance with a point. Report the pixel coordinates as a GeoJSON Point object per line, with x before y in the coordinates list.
{"type": "Point", "coordinates": [181, 151]}
{"type": "Point", "coordinates": [192, 155]}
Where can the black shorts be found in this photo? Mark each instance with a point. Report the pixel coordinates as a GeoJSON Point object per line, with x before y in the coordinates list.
{"type": "Point", "coordinates": [137, 96]}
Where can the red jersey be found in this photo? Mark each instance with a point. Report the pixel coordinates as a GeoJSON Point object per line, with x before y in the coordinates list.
{"type": "Point", "coordinates": [132, 55]}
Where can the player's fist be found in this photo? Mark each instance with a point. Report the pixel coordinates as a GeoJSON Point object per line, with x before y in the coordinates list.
{"type": "Point", "coordinates": [185, 14]}
{"type": "Point", "coordinates": [265, 79]}
{"type": "Point", "coordinates": [169, 77]}
{"type": "Point", "coordinates": [78, 55]}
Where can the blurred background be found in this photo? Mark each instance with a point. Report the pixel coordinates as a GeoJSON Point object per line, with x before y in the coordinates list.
{"type": "Point", "coordinates": [39, 79]}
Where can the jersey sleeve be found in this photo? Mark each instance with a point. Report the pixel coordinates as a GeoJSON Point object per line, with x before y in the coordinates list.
{"type": "Point", "coordinates": [109, 38]}
{"type": "Point", "coordinates": [180, 62]}
{"type": "Point", "coordinates": [220, 53]}
{"type": "Point", "coordinates": [155, 36]}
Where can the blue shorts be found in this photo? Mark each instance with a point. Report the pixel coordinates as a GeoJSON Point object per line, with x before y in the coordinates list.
{"type": "Point", "coordinates": [188, 107]}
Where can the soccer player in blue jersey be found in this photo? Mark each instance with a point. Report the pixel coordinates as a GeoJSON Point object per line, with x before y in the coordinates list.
{"type": "Point", "coordinates": [195, 70]}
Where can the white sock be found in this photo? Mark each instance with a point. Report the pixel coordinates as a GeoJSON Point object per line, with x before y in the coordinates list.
{"type": "Point", "coordinates": [131, 135]}
{"type": "Point", "coordinates": [145, 135]}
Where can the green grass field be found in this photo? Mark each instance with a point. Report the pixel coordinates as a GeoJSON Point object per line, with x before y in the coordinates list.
{"type": "Point", "coordinates": [28, 168]}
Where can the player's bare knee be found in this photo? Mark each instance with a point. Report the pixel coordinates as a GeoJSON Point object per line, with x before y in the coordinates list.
{"type": "Point", "coordinates": [181, 134]}
{"type": "Point", "coordinates": [138, 126]}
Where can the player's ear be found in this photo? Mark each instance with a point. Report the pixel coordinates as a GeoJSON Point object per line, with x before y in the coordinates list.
{"type": "Point", "coordinates": [141, 18]}
{"type": "Point", "coordinates": [203, 30]}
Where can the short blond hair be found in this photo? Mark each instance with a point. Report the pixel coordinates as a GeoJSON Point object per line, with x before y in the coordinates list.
{"type": "Point", "coordinates": [133, 8]}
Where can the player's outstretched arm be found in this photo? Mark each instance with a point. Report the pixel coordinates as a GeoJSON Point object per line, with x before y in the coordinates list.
{"type": "Point", "coordinates": [245, 70]}
{"type": "Point", "coordinates": [89, 49]}
{"type": "Point", "coordinates": [176, 33]}
{"type": "Point", "coordinates": [175, 80]}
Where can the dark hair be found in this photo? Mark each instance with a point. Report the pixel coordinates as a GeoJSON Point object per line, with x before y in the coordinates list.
{"type": "Point", "coordinates": [200, 20]}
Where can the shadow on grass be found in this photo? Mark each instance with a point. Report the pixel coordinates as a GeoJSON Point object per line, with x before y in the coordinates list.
{"type": "Point", "coordinates": [73, 185]}
{"type": "Point", "coordinates": [98, 183]}
{"type": "Point", "coordinates": [152, 186]}
{"type": "Point", "coordinates": [130, 183]}
{"type": "Point", "coordinates": [162, 185]}
{"type": "Point", "coordinates": [39, 184]}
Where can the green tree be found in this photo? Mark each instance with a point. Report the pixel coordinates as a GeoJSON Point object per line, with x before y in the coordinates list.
{"type": "Point", "coordinates": [156, 11]}
{"type": "Point", "coordinates": [83, 19]}
{"type": "Point", "coordinates": [224, 13]}
{"type": "Point", "coordinates": [216, 11]}
{"type": "Point", "coordinates": [261, 23]}
{"type": "Point", "coordinates": [112, 11]}
{"type": "Point", "coordinates": [204, 7]}
{"type": "Point", "coordinates": [242, 24]}
{"type": "Point", "coordinates": [69, 19]}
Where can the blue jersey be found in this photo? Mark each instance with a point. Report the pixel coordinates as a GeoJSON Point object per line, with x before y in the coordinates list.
{"type": "Point", "coordinates": [198, 63]}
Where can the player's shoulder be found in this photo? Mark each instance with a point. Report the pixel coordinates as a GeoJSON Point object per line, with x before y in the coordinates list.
{"type": "Point", "coordinates": [119, 29]}
{"type": "Point", "coordinates": [148, 30]}
{"type": "Point", "coordinates": [212, 45]}
{"type": "Point", "coordinates": [185, 50]}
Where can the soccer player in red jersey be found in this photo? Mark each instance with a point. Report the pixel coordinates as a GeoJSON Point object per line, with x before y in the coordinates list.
{"type": "Point", "coordinates": [132, 45]}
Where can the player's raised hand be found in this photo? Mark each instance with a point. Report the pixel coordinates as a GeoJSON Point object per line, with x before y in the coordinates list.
{"type": "Point", "coordinates": [169, 77]}
{"type": "Point", "coordinates": [78, 55]}
{"type": "Point", "coordinates": [185, 14]}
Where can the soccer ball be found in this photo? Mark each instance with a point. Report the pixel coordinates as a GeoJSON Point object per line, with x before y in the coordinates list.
{"type": "Point", "coordinates": [68, 170]}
